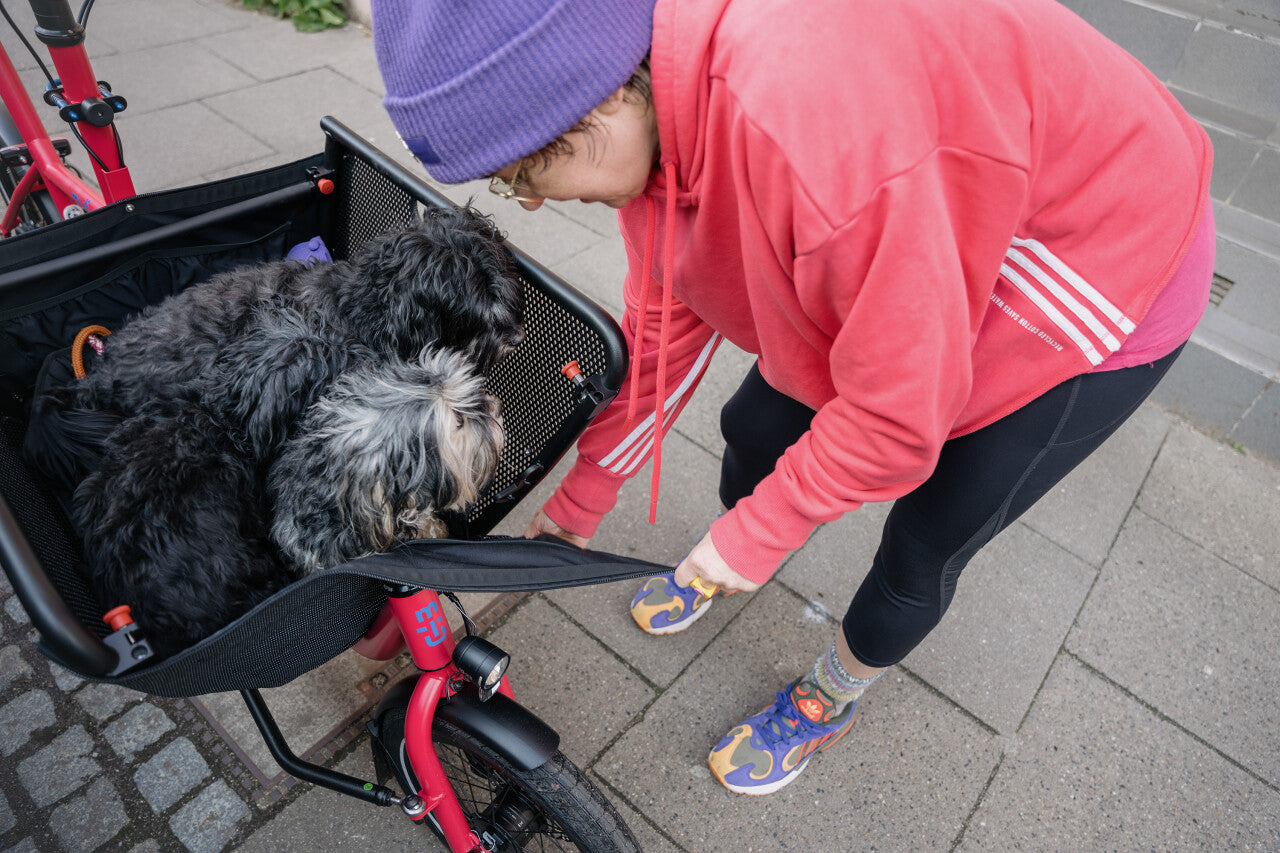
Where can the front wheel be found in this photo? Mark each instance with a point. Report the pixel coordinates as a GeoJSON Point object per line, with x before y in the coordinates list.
{"type": "Point", "coordinates": [552, 807]}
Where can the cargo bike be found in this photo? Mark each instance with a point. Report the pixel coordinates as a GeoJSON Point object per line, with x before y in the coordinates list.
{"type": "Point", "coordinates": [469, 761]}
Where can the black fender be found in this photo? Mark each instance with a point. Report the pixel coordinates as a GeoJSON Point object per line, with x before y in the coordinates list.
{"type": "Point", "coordinates": [501, 723]}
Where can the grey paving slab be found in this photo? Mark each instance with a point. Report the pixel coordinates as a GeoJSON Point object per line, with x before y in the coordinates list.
{"type": "Point", "coordinates": [831, 565]}
{"type": "Point", "coordinates": [209, 821]}
{"type": "Point", "coordinates": [1013, 607]}
{"type": "Point", "coordinates": [546, 235]}
{"type": "Point", "coordinates": [600, 218]}
{"type": "Point", "coordinates": [1191, 635]}
{"type": "Point", "coordinates": [1233, 154]}
{"type": "Point", "coordinates": [1095, 770]}
{"type": "Point", "coordinates": [1225, 501]}
{"type": "Point", "coordinates": [687, 504]}
{"type": "Point", "coordinates": [599, 271]}
{"type": "Point", "coordinates": [604, 611]}
{"type": "Point", "coordinates": [1233, 68]}
{"type": "Point", "coordinates": [324, 820]}
{"type": "Point", "coordinates": [1084, 512]}
{"type": "Point", "coordinates": [1209, 389]}
{"type": "Point", "coordinates": [1245, 346]}
{"type": "Point", "coordinates": [909, 747]}
{"type": "Point", "coordinates": [180, 145]}
{"type": "Point", "coordinates": [16, 611]}
{"type": "Point", "coordinates": [59, 768]}
{"type": "Point", "coordinates": [136, 729]}
{"type": "Point", "coordinates": [1260, 428]}
{"type": "Point", "coordinates": [104, 701]}
{"type": "Point", "coordinates": [1254, 277]}
{"type": "Point", "coordinates": [89, 820]}
{"type": "Point", "coordinates": [700, 421]}
{"type": "Point", "coordinates": [275, 48]}
{"type": "Point", "coordinates": [1155, 37]}
{"type": "Point", "coordinates": [63, 678]}
{"type": "Point", "coordinates": [8, 820]}
{"type": "Point", "coordinates": [22, 716]}
{"type": "Point", "coordinates": [308, 709]}
{"type": "Point", "coordinates": [1209, 111]}
{"type": "Point", "coordinates": [650, 839]}
{"type": "Point", "coordinates": [285, 113]}
{"type": "Point", "coordinates": [131, 25]}
{"type": "Point", "coordinates": [570, 680]}
{"type": "Point", "coordinates": [190, 72]}
{"type": "Point", "coordinates": [170, 774]}
{"type": "Point", "coordinates": [1258, 194]}
{"type": "Point", "coordinates": [12, 666]}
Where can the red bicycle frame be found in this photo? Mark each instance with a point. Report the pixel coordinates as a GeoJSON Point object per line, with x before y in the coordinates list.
{"type": "Point", "coordinates": [64, 37]}
{"type": "Point", "coordinates": [422, 622]}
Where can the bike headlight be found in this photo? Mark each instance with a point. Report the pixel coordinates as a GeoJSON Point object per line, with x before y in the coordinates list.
{"type": "Point", "coordinates": [484, 662]}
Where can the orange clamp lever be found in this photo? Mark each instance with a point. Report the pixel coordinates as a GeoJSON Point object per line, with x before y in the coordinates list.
{"type": "Point", "coordinates": [118, 617]}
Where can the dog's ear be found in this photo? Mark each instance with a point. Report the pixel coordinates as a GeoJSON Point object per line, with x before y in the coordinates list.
{"type": "Point", "coordinates": [65, 441]}
{"type": "Point", "coordinates": [273, 373]}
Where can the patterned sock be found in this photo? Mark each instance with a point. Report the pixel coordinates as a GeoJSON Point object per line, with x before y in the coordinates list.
{"type": "Point", "coordinates": [828, 689]}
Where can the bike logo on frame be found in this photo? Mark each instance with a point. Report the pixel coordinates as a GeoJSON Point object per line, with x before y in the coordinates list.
{"type": "Point", "coordinates": [434, 626]}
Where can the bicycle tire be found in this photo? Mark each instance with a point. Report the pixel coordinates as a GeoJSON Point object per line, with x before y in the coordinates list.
{"type": "Point", "coordinates": [568, 811]}
{"type": "Point", "coordinates": [39, 209]}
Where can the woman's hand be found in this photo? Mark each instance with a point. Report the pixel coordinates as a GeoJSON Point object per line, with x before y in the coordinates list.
{"type": "Point", "coordinates": [541, 524]}
{"type": "Point", "coordinates": [706, 563]}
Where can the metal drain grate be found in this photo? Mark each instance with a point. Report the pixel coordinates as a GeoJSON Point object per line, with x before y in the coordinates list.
{"type": "Point", "coordinates": [1218, 289]}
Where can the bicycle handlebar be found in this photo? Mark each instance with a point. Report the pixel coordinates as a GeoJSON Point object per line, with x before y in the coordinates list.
{"type": "Point", "coordinates": [66, 640]}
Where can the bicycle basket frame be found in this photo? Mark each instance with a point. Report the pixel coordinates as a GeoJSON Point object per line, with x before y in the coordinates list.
{"type": "Point", "coordinates": [105, 266]}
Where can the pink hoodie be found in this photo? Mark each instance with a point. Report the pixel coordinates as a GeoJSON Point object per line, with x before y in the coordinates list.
{"type": "Point", "coordinates": [920, 215]}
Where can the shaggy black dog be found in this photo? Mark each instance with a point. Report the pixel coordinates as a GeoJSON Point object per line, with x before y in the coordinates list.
{"type": "Point", "coordinates": [446, 282]}
{"type": "Point", "coordinates": [353, 390]}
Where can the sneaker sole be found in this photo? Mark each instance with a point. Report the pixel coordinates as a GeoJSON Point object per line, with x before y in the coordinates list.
{"type": "Point", "coordinates": [760, 790]}
{"type": "Point", "coordinates": [675, 627]}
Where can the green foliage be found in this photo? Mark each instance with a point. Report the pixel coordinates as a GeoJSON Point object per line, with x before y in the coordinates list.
{"type": "Point", "coordinates": [309, 16]}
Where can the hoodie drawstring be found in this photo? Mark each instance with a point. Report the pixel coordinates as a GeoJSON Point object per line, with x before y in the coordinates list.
{"type": "Point", "coordinates": [646, 282]}
{"type": "Point", "coordinates": [664, 330]}
{"type": "Point", "coordinates": [668, 275]}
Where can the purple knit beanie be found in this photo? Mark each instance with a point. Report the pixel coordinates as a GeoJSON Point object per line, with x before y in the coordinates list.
{"type": "Point", "coordinates": [475, 85]}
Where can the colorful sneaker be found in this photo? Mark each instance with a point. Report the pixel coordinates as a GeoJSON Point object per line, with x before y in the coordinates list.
{"type": "Point", "coordinates": [767, 751]}
{"type": "Point", "coordinates": [662, 607]}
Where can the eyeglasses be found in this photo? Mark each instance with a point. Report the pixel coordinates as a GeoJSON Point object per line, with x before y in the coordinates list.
{"type": "Point", "coordinates": [515, 189]}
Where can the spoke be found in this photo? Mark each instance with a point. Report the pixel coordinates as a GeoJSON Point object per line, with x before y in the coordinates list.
{"type": "Point", "coordinates": [477, 787]}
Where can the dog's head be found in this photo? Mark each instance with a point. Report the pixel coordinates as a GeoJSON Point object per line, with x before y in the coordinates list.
{"type": "Point", "coordinates": [402, 442]}
{"type": "Point", "coordinates": [447, 281]}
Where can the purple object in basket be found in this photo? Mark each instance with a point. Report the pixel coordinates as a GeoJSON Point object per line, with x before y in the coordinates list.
{"type": "Point", "coordinates": [311, 251]}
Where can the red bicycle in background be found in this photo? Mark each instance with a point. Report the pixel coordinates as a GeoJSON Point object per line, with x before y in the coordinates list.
{"type": "Point", "coordinates": [38, 185]}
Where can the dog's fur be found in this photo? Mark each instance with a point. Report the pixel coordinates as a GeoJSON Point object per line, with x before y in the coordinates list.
{"type": "Point", "coordinates": [335, 409]}
{"type": "Point", "coordinates": [175, 526]}
{"type": "Point", "coordinates": [378, 458]}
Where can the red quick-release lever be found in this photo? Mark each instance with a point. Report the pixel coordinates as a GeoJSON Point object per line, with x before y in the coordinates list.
{"type": "Point", "coordinates": [325, 185]}
{"type": "Point", "coordinates": [118, 617]}
{"type": "Point", "coordinates": [573, 371]}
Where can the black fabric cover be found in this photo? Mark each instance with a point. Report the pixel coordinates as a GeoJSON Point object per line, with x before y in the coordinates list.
{"type": "Point", "coordinates": [320, 616]}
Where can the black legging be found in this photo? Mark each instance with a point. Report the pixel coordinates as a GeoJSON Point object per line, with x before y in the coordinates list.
{"type": "Point", "coordinates": [982, 483]}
